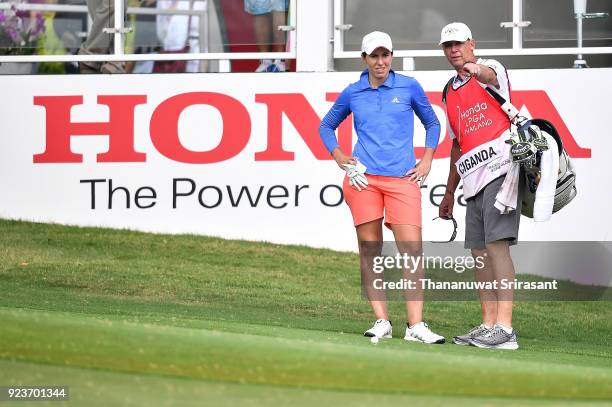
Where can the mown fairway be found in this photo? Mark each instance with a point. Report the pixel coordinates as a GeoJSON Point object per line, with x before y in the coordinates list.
{"type": "Point", "coordinates": [127, 318]}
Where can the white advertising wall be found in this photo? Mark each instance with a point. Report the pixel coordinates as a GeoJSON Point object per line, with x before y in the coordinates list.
{"type": "Point", "coordinates": [184, 153]}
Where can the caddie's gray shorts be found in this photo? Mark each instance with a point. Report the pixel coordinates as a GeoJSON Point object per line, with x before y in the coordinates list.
{"type": "Point", "coordinates": [483, 222]}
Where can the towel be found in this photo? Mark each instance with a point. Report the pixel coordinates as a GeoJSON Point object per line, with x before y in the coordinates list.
{"type": "Point", "coordinates": [507, 197]}
{"type": "Point", "coordinates": [549, 170]}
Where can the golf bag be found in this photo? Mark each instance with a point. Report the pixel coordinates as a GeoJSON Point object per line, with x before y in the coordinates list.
{"type": "Point", "coordinates": [530, 133]}
{"type": "Point", "coordinates": [527, 146]}
{"type": "Point", "coordinates": [566, 178]}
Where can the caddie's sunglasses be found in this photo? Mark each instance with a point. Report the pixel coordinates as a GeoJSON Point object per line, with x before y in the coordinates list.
{"type": "Point", "coordinates": [453, 236]}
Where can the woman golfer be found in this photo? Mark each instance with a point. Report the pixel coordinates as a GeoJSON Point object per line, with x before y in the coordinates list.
{"type": "Point", "coordinates": [383, 177]}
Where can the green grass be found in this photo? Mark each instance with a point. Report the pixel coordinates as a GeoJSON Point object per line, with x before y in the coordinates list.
{"type": "Point", "coordinates": [127, 318]}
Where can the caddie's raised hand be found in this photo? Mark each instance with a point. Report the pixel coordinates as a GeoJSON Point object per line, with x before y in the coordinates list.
{"type": "Point", "coordinates": [471, 69]}
{"type": "Point", "coordinates": [356, 175]}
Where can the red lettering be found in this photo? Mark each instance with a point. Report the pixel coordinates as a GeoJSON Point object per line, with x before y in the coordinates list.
{"type": "Point", "coordinates": [304, 119]}
{"type": "Point", "coordinates": [236, 127]}
{"type": "Point", "coordinates": [60, 128]}
{"type": "Point", "coordinates": [540, 106]}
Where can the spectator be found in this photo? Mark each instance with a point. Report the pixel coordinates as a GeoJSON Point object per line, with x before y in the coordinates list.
{"type": "Point", "coordinates": [102, 13]}
{"type": "Point", "coordinates": [71, 28]}
{"type": "Point", "coordinates": [145, 39]}
{"type": "Point", "coordinates": [268, 15]}
{"type": "Point", "coordinates": [179, 33]}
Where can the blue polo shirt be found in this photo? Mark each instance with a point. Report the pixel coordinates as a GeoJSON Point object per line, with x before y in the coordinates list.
{"type": "Point", "coordinates": [384, 122]}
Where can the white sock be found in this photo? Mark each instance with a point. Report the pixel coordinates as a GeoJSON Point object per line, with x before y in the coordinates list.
{"type": "Point", "coordinates": [508, 330]}
{"type": "Point", "coordinates": [486, 326]}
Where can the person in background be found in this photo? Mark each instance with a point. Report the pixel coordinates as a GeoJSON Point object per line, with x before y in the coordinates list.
{"type": "Point", "coordinates": [179, 33]}
{"type": "Point", "coordinates": [268, 15]}
{"type": "Point", "coordinates": [102, 13]}
{"type": "Point", "coordinates": [71, 28]}
{"type": "Point", "coordinates": [145, 39]}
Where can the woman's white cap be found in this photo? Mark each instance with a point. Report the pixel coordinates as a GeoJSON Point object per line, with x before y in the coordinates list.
{"type": "Point", "coordinates": [455, 32]}
{"type": "Point", "coordinates": [374, 40]}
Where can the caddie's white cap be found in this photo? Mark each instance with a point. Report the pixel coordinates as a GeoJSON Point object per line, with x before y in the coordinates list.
{"type": "Point", "coordinates": [455, 32]}
{"type": "Point", "coordinates": [374, 40]}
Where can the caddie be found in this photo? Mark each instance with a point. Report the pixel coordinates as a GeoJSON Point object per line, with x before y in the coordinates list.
{"type": "Point", "coordinates": [480, 158]}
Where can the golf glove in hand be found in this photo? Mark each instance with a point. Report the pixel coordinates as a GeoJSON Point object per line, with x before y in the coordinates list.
{"type": "Point", "coordinates": [356, 175]}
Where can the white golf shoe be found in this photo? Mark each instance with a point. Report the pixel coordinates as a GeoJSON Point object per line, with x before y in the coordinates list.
{"type": "Point", "coordinates": [421, 333]}
{"type": "Point", "coordinates": [381, 329]}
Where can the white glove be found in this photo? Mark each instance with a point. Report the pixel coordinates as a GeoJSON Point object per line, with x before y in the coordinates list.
{"type": "Point", "coordinates": [356, 175]}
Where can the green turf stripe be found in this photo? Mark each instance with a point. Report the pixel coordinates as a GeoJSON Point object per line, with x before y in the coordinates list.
{"type": "Point", "coordinates": [307, 359]}
{"type": "Point", "coordinates": [93, 388]}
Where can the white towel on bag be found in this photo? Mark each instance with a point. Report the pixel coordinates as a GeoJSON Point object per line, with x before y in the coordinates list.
{"type": "Point", "coordinates": [549, 171]}
{"type": "Point", "coordinates": [507, 197]}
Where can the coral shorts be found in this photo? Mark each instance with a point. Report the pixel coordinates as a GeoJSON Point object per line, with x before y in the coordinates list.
{"type": "Point", "coordinates": [396, 199]}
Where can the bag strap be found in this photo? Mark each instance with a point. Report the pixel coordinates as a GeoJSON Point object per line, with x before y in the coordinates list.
{"type": "Point", "coordinates": [507, 107]}
{"type": "Point", "coordinates": [445, 91]}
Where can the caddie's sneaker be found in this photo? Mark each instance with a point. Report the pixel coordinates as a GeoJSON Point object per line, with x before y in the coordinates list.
{"type": "Point", "coordinates": [381, 329]}
{"type": "Point", "coordinates": [496, 338]}
{"type": "Point", "coordinates": [474, 332]}
{"type": "Point", "coordinates": [421, 333]}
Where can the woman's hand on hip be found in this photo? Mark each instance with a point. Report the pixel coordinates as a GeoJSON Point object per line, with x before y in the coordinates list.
{"type": "Point", "coordinates": [342, 158]}
{"type": "Point", "coordinates": [420, 171]}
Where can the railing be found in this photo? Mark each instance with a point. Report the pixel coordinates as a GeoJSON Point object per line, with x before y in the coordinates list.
{"type": "Point", "coordinates": [319, 23]}
{"type": "Point", "coordinates": [516, 25]}
{"type": "Point", "coordinates": [119, 32]}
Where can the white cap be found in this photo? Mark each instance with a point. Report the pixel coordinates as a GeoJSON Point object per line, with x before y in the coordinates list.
{"type": "Point", "coordinates": [374, 40]}
{"type": "Point", "coordinates": [455, 32]}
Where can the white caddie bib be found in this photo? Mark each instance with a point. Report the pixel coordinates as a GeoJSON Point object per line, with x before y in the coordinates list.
{"type": "Point", "coordinates": [484, 163]}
